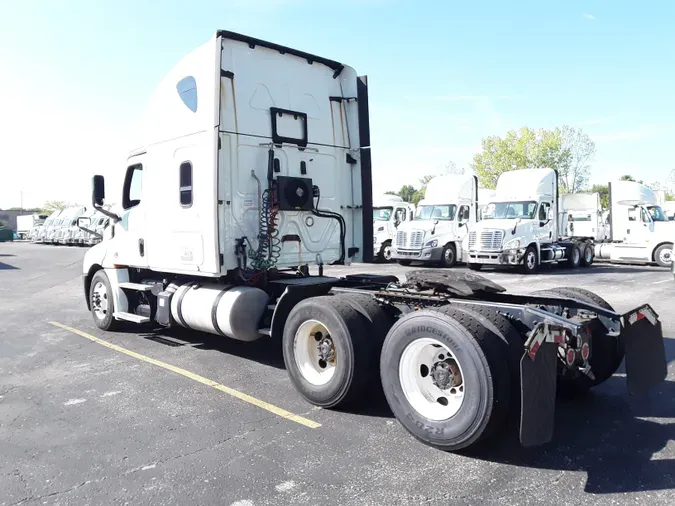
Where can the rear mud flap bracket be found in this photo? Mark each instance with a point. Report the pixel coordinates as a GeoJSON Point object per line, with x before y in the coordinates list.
{"type": "Point", "coordinates": [646, 363]}
{"type": "Point", "coordinates": [538, 382]}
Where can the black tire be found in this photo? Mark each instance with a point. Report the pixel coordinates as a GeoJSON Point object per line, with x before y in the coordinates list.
{"type": "Point", "coordinates": [475, 267]}
{"type": "Point", "coordinates": [384, 255]}
{"type": "Point", "coordinates": [661, 256]}
{"type": "Point", "coordinates": [348, 329]}
{"type": "Point", "coordinates": [587, 254]}
{"type": "Point", "coordinates": [574, 256]}
{"type": "Point", "coordinates": [448, 256]}
{"type": "Point", "coordinates": [404, 263]}
{"type": "Point", "coordinates": [107, 322]}
{"type": "Point", "coordinates": [531, 260]}
{"type": "Point", "coordinates": [487, 386]}
{"type": "Point", "coordinates": [378, 322]}
{"type": "Point", "coordinates": [607, 352]}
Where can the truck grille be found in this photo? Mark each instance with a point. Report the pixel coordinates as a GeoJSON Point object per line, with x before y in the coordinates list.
{"type": "Point", "coordinates": [487, 240]}
{"type": "Point", "coordinates": [409, 240]}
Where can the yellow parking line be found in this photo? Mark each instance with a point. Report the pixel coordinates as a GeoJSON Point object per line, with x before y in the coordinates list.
{"type": "Point", "coordinates": [196, 377]}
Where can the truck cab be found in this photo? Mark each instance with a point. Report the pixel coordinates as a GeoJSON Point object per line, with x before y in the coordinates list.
{"type": "Point", "coordinates": [442, 220]}
{"type": "Point", "coordinates": [389, 212]}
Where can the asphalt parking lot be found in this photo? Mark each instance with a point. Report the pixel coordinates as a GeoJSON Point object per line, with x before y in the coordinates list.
{"type": "Point", "coordinates": [84, 423]}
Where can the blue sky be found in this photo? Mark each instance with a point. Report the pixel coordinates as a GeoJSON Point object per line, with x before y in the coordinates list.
{"type": "Point", "coordinates": [443, 75]}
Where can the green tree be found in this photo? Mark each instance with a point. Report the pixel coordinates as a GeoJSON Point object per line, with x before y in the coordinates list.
{"type": "Point", "coordinates": [55, 205]}
{"type": "Point", "coordinates": [520, 149]}
{"type": "Point", "coordinates": [577, 152]}
{"type": "Point", "coordinates": [603, 190]}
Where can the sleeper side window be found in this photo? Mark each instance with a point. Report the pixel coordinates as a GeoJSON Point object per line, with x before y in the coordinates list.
{"type": "Point", "coordinates": [185, 184]}
{"type": "Point", "coordinates": [133, 184]}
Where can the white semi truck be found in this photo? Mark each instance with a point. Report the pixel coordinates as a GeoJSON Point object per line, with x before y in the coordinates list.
{"type": "Point", "coordinates": [442, 220]}
{"type": "Point", "coordinates": [639, 230]}
{"type": "Point", "coordinates": [529, 224]}
{"type": "Point", "coordinates": [389, 213]}
{"type": "Point", "coordinates": [253, 165]}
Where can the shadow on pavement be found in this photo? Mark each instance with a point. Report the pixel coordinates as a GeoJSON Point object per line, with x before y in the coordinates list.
{"type": "Point", "coordinates": [7, 267]}
{"type": "Point", "coordinates": [265, 350]}
{"type": "Point", "coordinates": [606, 437]}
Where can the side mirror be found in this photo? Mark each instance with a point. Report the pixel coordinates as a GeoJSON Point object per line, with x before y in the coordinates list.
{"type": "Point", "coordinates": [549, 214]}
{"type": "Point", "coordinates": [98, 191]}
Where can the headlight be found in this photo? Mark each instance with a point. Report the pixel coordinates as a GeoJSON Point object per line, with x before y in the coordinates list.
{"type": "Point", "coordinates": [512, 244]}
{"type": "Point", "coordinates": [431, 244]}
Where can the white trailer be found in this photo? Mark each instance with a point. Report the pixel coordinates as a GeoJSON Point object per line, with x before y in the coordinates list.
{"type": "Point", "coordinates": [442, 220]}
{"type": "Point", "coordinates": [389, 212]}
{"type": "Point", "coordinates": [27, 223]}
{"type": "Point", "coordinates": [254, 163]}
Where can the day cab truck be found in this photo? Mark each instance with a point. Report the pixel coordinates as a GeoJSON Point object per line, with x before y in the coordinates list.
{"type": "Point", "coordinates": [442, 220]}
{"type": "Point", "coordinates": [389, 212]}
{"type": "Point", "coordinates": [251, 173]}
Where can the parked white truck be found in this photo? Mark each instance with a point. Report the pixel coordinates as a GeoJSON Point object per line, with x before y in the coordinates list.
{"type": "Point", "coordinates": [253, 164]}
{"type": "Point", "coordinates": [389, 213]}
{"type": "Point", "coordinates": [584, 216]}
{"type": "Point", "coordinates": [442, 220]}
{"type": "Point", "coordinates": [530, 224]}
{"type": "Point", "coordinates": [639, 230]}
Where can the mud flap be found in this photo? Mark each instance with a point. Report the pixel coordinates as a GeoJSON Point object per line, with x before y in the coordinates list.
{"type": "Point", "coordinates": [646, 363]}
{"type": "Point", "coordinates": [538, 378]}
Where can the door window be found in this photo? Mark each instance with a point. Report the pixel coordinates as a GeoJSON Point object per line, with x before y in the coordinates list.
{"type": "Point", "coordinates": [133, 183]}
{"type": "Point", "coordinates": [463, 215]}
{"type": "Point", "coordinates": [543, 211]}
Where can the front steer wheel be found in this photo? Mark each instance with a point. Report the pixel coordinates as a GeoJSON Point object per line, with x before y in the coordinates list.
{"type": "Point", "coordinates": [101, 302]}
{"type": "Point", "coordinates": [326, 351]}
{"type": "Point", "coordinates": [445, 377]}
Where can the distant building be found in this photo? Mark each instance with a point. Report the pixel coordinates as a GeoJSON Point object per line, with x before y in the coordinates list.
{"type": "Point", "coordinates": [8, 218]}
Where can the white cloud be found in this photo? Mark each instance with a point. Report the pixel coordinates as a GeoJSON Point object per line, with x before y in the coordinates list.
{"type": "Point", "coordinates": [588, 16]}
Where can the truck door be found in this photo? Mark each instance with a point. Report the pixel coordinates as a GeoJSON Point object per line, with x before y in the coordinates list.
{"type": "Point", "coordinates": [543, 227]}
{"type": "Point", "coordinates": [641, 226]}
{"type": "Point", "coordinates": [463, 216]}
{"type": "Point", "coordinates": [129, 237]}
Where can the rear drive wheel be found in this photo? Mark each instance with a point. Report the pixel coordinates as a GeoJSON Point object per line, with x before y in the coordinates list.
{"type": "Point", "coordinates": [326, 352]}
{"type": "Point", "coordinates": [475, 267]}
{"type": "Point", "coordinates": [444, 377]}
{"type": "Point", "coordinates": [574, 256]}
{"type": "Point", "coordinates": [448, 256]}
{"type": "Point", "coordinates": [664, 255]}
{"type": "Point", "coordinates": [607, 352]}
{"type": "Point", "coordinates": [530, 260]}
{"type": "Point", "coordinates": [587, 255]}
{"type": "Point", "coordinates": [101, 302]}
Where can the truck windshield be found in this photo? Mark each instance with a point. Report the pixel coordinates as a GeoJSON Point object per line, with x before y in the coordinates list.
{"type": "Point", "coordinates": [382, 213]}
{"type": "Point", "coordinates": [443, 213]}
{"type": "Point", "coordinates": [501, 210]}
{"type": "Point", "coordinates": [657, 213]}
